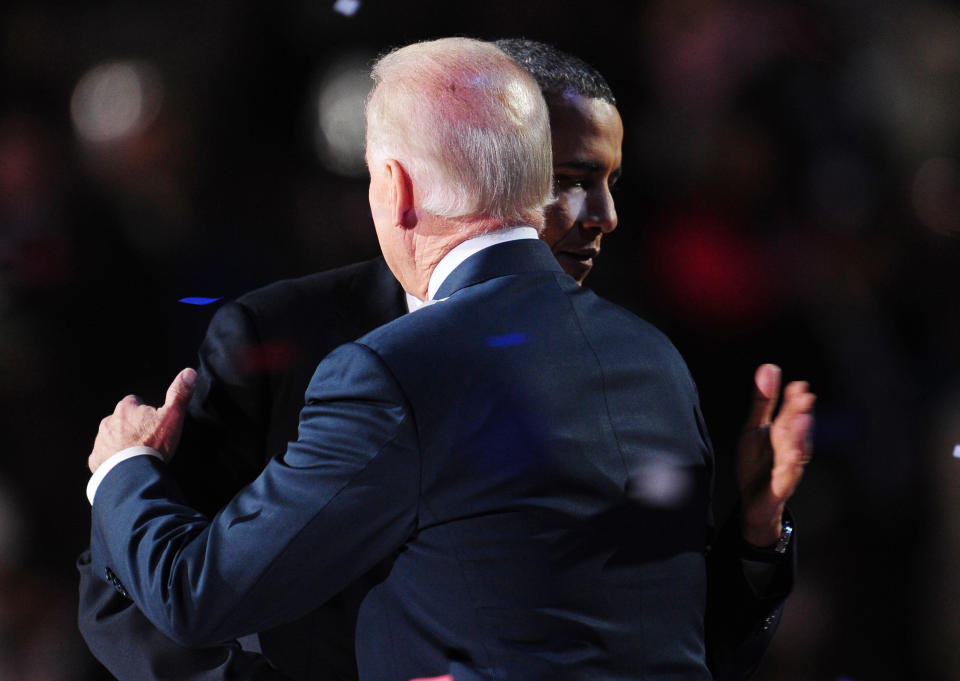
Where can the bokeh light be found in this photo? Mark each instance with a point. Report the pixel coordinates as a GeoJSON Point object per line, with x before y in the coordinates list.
{"type": "Point", "coordinates": [115, 100]}
{"type": "Point", "coordinates": [661, 484]}
{"type": "Point", "coordinates": [340, 123]}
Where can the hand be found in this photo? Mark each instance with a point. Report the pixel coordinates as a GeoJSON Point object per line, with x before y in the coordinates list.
{"type": "Point", "coordinates": [134, 423]}
{"type": "Point", "coordinates": [772, 455]}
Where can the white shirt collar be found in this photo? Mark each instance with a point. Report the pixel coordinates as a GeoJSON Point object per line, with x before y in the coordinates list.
{"type": "Point", "coordinates": [414, 303]}
{"type": "Point", "coordinates": [465, 249]}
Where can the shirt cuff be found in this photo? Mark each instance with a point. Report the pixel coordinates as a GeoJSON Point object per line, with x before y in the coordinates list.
{"type": "Point", "coordinates": [107, 466]}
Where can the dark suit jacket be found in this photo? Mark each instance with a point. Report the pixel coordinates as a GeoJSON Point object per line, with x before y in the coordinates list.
{"type": "Point", "coordinates": [491, 458]}
{"type": "Point", "coordinates": [254, 365]}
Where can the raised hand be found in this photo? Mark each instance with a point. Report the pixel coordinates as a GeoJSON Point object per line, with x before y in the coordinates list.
{"type": "Point", "coordinates": [772, 453]}
{"type": "Point", "coordinates": [134, 423]}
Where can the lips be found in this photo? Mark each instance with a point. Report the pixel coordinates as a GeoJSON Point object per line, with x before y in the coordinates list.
{"type": "Point", "coordinates": [583, 255]}
{"type": "Point", "coordinates": [577, 263]}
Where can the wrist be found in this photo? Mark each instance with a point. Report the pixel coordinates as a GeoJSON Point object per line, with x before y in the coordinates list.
{"type": "Point", "coordinates": [776, 548]}
{"type": "Point", "coordinates": [762, 535]}
{"type": "Point", "coordinates": [94, 483]}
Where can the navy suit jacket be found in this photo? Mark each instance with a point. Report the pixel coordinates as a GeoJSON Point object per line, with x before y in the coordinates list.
{"type": "Point", "coordinates": [491, 459]}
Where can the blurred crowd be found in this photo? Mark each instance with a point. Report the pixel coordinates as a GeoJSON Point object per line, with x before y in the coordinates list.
{"type": "Point", "coordinates": [791, 193]}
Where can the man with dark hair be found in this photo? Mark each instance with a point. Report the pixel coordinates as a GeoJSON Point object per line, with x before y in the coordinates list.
{"type": "Point", "coordinates": [587, 135]}
{"type": "Point", "coordinates": [257, 411]}
{"type": "Point", "coordinates": [747, 586]}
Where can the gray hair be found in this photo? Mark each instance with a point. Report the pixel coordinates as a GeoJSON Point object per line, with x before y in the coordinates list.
{"type": "Point", "coordinates": [469, 126]}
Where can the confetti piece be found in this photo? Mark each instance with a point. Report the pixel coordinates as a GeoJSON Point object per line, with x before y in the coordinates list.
{"type": "Point", "coordinates": [198, 300]}
{"type": "Point", "coordinates": [346, 7]}
{"type": "Point", "coordinates": [661, 484]}
{"type": "Point", "coordinates": [507, 340]}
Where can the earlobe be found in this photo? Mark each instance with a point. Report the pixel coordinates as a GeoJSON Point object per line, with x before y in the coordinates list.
{"type": "Point", "coordinates": [409, 219]}
{"type": "Point", "coordinates": [405, 212]}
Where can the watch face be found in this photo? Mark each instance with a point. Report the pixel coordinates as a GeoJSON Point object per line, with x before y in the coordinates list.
{"type": "Point", "coordinates": [784, 540]}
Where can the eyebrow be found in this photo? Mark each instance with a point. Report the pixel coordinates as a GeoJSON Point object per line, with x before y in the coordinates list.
{"type": "Point", "coordinates": [580, 165]}
{"type": "Point", "coordinates": [591, 166]}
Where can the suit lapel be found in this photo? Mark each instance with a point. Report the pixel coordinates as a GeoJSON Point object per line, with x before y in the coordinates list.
{"type": "Point", "coordinates": [501, 260]}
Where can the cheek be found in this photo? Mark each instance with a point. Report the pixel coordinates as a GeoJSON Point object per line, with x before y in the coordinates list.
{"type": "Point", "coordinates": [561, 216]}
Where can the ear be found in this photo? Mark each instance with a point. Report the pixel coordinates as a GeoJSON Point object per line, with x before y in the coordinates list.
{"type": "Point", "coordinates": [405, 212]}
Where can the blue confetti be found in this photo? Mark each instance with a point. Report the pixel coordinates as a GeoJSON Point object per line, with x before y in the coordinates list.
{"type": "Point", "coordinates": [198, 300]}
{"type": "Point", "coordinates": [507, 340]}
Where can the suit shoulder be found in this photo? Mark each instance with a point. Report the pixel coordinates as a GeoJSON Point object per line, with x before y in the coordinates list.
{"type": "Point", "coordinates": [646, 338]}
{"type": "Point", "coordinates": [290, 296]}
{"type": "Point", "coordinates": [597, 305]}
{"type": "Point", "coordinates": [645, 328]}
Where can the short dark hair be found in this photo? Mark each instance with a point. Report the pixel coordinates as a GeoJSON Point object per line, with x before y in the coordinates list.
{"type": "Point", "coordinates": [557, 72]}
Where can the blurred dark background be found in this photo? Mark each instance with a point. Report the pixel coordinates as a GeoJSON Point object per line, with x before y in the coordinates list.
{"type": "Point", "coordinates": [791, 193]}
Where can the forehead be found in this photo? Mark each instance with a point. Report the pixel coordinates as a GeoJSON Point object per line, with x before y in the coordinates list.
{"type": "Point", "coordinates": [585, 129]}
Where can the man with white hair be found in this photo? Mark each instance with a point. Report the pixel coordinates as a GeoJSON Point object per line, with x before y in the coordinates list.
{"type": "Point", "coordinates": [478, 454]}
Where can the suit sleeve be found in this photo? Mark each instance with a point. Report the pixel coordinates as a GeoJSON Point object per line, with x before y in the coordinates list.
{"type": "Point", "coordinates": [223, 435]}
{"type": "Point", "coordinates": [340, 500]}
{"type": "Point", "coordinates": [741, 618]}
{"type": "Point", "coordinates": [132, 649]}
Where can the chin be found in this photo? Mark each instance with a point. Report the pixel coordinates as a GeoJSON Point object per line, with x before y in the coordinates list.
{"type": "Point", "coordinates": [579, 274]}
{"type": "Point", "coordinates": [577, 269]}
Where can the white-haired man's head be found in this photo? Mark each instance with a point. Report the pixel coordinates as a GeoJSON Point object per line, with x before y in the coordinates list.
{"type": "Point", "coordinates": [468, 125]}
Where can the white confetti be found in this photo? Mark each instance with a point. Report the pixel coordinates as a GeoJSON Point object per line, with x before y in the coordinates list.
{"type": "Point", "coordinates": [660, 483]}
{"type": "Point", "coordinates": [346, 7]}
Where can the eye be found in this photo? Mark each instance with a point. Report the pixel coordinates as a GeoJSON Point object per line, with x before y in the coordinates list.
{"type": "Point", "coordinates": [613, 181]}
{"type": "Point", "coordinates": [565, 181]}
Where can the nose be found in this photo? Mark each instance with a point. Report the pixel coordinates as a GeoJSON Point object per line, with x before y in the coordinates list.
{"type": "Point", "coordinates": [600, 211]}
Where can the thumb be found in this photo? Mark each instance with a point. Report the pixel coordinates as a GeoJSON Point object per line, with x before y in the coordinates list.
{"type": "Point", "coordinates": [172, 413]}
{"type": "Point", "coordinates": [180, 391]}
{"type": "Point", "coordinates": [766, 393]}
{"type": "Point", "coordinates": [178, 394]}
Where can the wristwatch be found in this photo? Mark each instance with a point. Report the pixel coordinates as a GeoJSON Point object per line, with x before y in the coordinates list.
{"type": "Point", "coordinates": [785, 534]}
{"type": "Point", "coordinates": [775, 550]}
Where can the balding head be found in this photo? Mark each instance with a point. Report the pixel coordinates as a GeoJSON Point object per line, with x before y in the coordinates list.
{"type": "Point", "coordinates": [468, 125]}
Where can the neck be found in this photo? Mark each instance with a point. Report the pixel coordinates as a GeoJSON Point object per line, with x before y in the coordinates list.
{"type": "Point", "coordinates": [430, 242]}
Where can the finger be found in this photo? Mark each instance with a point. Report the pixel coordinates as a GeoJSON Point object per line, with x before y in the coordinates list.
{"type": "Point", "coordinates": [793, 429]}
{"type": "Point", "coordinates": [128, 402]}
{"type": "Point", "coordinates": [797, 399]}
{"type": "Point", "coordinates": [765, 392]}
{"type": "Point", "coordinates": [803, 436]}
{"type": "Point", "coordinates": [799, 434]}
{"type": "Point", "coordinates": [180, 391]}
{"type": "Point", "coordinates": [795, 453]}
